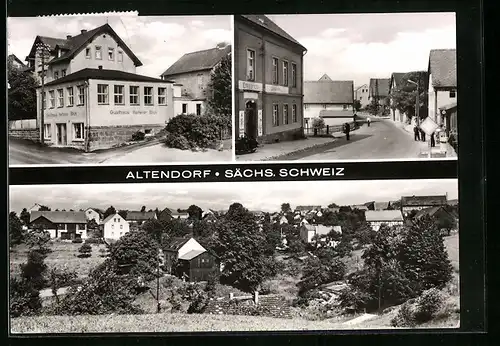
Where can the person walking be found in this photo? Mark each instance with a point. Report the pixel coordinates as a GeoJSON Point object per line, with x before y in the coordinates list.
{"type": "Point", "coordinates": [433, 140]}
{"type": "Point", "coordinates": [368, 121]}
{"type": "Point", "coordinates": [416, 131]}
{"type": "Point", "coordinates": [347, 130]}
{"type": "Point", "coordinates": [422, 135]}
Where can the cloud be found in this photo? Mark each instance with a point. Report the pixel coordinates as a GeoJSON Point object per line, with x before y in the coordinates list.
{"type": "Point", "coordinates": [267, 196]}
{"type": "Point", "coordinates": [332, 32]}
{"type": "Point", "coordinates": [197, 23]}
{"type": "Point", "coordinates": [218, 35]}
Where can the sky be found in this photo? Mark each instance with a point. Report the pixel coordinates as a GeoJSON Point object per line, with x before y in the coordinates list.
{"type": "Point", "coordinates": [157, 41]}
{"type": "Point", "coordinates": [362, 46]}
{"type": "Point", "coordinates": [265, 196]}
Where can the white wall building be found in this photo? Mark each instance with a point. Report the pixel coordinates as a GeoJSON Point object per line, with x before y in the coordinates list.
{"type": "Point", "coordinates": [114, 227]}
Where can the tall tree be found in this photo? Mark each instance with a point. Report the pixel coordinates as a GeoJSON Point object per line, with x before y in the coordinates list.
{"type": "Point", "coordinates": [404, 98]}
{"type": "Point", "coordinates": [220, 86]}
{"type": "Point", "coordinates": [16, 233]}
{"type": "Point", "coordinates": [286, 208]}
{"type": "Point", "coordinates": [43, 208]}
{"type": "Point", "coordinates": [143, 209]}
{"type": "Point", "coordinates": [25, 216]}
{"type": "Point", "coordinates": [195, 212]}
{"type": "Point", "coordinates": [21, 95]}
{"type": "Point", "coordinates": [123, 213]}
{"type": "Point", "coordinates": [110, 211]}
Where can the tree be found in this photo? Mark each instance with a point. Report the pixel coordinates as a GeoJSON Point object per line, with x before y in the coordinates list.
{"type": "Point", "coordinates": [285, 208]}
{"type": "Point", "coordinates": [357, 105]}
{"type": "Point", "coordinates": [321, 270]}
{"type": "Point", "coordinates": [85, 250]}
{"type": "Point", "coordinates": [220, 94]}
{"type": "Point", "coordinates": [34, 269]}
{"type": "Point", "coordinates": [59, 278]}
{"type": "Point", "coordinates": [93, 229]}
{"type": "Point", "coordinates": [43, 208]}
{"type": "Point", "coordinates": [21, 95]}
{"type": "Point", "coordinates": [110, 211]}
{"type": "Point", "coordinates": [318, 123]}
{"type": "Point", "coordinates": [123, 213]}
{"type": "Point", "coordinates": [25, 217]}
{"type": "Point", "coordinates": [373, 107]}
{"type": "Point", "coordinates": [241, 247]}
{"type": "Point", "coordinates": [24, 298]}
{"type": "Point", "coordinates": [333, 205]}
{"type": "Point", "coordinates": [404, 98]}
{"type": "Point", "coordinates": [143, 209]}
{"type": "Point", "coordinates": [195, 212]}
{"type": "Point", "coordinates": [16, 233]}
{"type": "Point", "coordinates": [38, 239]}
{"type": "Point", "coordinates": [155, 228]}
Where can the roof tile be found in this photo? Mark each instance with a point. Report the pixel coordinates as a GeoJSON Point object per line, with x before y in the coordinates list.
{"type": "Point", "coordinates": [443, 67]}
{"type": "Point", "coordinates": [197, 61]}
{"type": "Point", "coordinates": [60, 216]}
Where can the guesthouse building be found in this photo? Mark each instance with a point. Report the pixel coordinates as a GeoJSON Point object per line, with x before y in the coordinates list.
{"type": "Point", "coordinates": [268, 80]}
{"type": "Point", "coordinates": [92, 98]}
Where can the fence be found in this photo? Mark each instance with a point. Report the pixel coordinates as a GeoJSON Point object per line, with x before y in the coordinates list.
{"type": "Point", "coordinates": [29, 124]}
{"type": "Point", "coordinates": [327, 130]}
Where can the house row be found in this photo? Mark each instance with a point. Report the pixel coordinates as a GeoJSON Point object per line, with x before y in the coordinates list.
{"type": "Point", "coordinates": [91, 97]}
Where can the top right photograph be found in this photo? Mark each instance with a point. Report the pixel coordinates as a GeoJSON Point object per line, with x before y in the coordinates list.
{"type": "Point", "coordinates": [333, 87]}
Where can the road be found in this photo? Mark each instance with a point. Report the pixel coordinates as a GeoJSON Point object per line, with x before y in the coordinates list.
{"type": "Point", "coordinates": [23, 152]}
{"type": "Point", "coordinates": [382, 140]}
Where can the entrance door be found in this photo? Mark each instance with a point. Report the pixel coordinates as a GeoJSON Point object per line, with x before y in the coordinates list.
{"type": "Point", "coordinates": [62, 134]}
{"type": "Point", "coordinates": [251, 119]}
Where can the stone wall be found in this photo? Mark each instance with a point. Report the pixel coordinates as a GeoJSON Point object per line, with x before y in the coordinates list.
{"type": "Point", "coordinates": [268, 305]}
{"type": "Point", "coordinates": [30, 134]}
{"type": "Point", "coordinates": [284, 136]}
{"type": "Point", "coordinates": [106, 137]}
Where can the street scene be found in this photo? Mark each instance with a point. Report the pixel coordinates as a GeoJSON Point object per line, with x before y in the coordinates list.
{"type": "Point", "coordinates": [245, 256]}
{"type": "Point", "coordinates": [345, 87]}
{"type": "Point", "coordinates": [119, 89]}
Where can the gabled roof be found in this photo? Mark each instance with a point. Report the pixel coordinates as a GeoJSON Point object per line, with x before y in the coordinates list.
{"type": "Point", "coordinates": [307, 207]}
{"type": "Point", "coordinates": [49, 42]}
{"type": "Point", "coordinates": [443, 67]}
{"type": "Point", "coordinates": [177, 242]}
{"type": "Point", "coordinates": [12, 57]}
{"type": "Point", "coordinates": [267, 24]}
{"type": "Point", "coordinates": [397, 78]}
{"type": "Point", "coordinates": [197, 61]}
{"type": "Point", "coordinates": [381, 205]}
{"type": "Point", "coordinates": [325, 78]}
{"type": "Point", "coordinates": [191, 254]}
{"type": "Point", "coordinates": [362, 86]}
{"type": "Point", "coordinates": [359, 207]}
{"type": "Point", "coordinates": [139, 216]}
{"type": "Point", "coordinates": [75, 44]}
{"type": "Point", "coordinates": [379, 86]}
{"type": "Point", "coordinates": [430, 212]}
{"type": "Point", "coordinates": [338, 92]}
{"type": "Point", "coordinates": [94, 73]}
{"type": "Point", "coordinates": [453, 202]}
{"type": "Point", "coordinates": [408, 201]}
{"type": "Point", "coordinates": [111, 217]}
{"type": "Point", "coordinates": [60, 216]}
{"type": "Point", "coordinates": [383, 215]}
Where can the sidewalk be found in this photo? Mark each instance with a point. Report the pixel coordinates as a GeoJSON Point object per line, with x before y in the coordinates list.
{"type": "Point", "coordinates": [436, 152]}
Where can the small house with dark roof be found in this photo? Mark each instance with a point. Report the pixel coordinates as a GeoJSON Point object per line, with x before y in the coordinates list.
{"type": "Point", "coordinates": [377, 218]}
{"type": "Point", "coordinates": [399, 82]}
{"type": "Point", "coordinates": [114, 227]}
{"type": "Point", "coordinates": [378, 90]}
{"type": "Point", "coordinates": [189, 260]}
{"type": "Point", "coordinates": [442, 75]}
{"type": "Point", "coordinates": [92, 96]}
{"type": "Point", "coordinates": [66, 225]}
{"type": "Point", "coordinates": [192, 74]}
{"type": "Point", "coordinates": [410, 203]}
{"type": "Point", "coordinates": [137, 218]}
{"type": "Point", "coordinates": [361, 94]}
{"type": "Point", "coordinates": [330, 100]}
{"type": "Point", "coordinates": [14, 62]}
{"type": "Point", "coordinates": [268, 65]}
{"type": "Point", "coordinates": [93, 214]}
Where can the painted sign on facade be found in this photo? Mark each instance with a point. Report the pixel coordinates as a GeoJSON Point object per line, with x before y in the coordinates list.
{"type": "Point", "coordinates": [244, 85]}
{"type": "Point", "coordinates": [259, 122]}
{"type": "Point", "coordinates": [278, 89]}
{"type": "Point", "coordinates": [61, 114]}
{"type": "Point", "coordinates": [132, 112]}
{"type": "Point", "coordinates": [242, 123]}
{"type": "Point", "coordinates": [250, 95]}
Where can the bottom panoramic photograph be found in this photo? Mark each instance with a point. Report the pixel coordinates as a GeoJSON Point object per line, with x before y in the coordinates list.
{"type": "Point", "coordinates": [252, 256]}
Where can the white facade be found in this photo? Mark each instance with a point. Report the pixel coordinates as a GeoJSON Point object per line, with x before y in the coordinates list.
{"type": "Point", "coordinates": [361, 94]}
{"type": "Point", "coordinates": [439, 98]}
{"type": "Point", "coordinates": [375, 225]}
{"type": "Point", "coordinates": [91, 214]}
{"type": "Point", "coordinates": [115, 227]}
{"type": "Point", "coordinates": [343, 113]}
{"type": "Point", "coordinates": [190, 245]}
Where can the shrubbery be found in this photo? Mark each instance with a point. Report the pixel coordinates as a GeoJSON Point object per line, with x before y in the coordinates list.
{"type": "Point", "coordinates": [85, 250]}
{"type": "Point", "coordinates": [24, 298]}
{"type": "Point", "coordinates": [94, 241]}
{"type": "Point", "coordinates": [138, 136]}
{"type": "Point", "coordinates": [77, 241]}
{"type": "Point", "coordinates": [424, 309]}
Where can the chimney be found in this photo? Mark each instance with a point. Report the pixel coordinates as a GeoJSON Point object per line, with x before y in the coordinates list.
{"type": "Point", "coordinates": [84, 31]}
{"type": "Point", "coordinates": [68, 37]}
{"type": "Point", "coordinates": [100, 67]}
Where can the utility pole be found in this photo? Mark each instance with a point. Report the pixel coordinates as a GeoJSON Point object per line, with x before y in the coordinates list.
{"type": "Point", "coordinates": [417, 102]}
{"type": "Point", "coordinates": [42, 50]}
{"type": "Point", "coordinates": [158, 308]}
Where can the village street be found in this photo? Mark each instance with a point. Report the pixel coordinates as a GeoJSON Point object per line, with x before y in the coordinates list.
{"type": "Point", "coordinates": [23, 152]}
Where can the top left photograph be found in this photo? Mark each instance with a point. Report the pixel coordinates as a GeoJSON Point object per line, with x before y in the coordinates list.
{"type": "Point", "coordinates": [119, 89]}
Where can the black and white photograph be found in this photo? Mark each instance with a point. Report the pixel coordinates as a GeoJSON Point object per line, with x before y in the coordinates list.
{"type": "Point", "coordinates": [345, 86]}
{"type": "Point", "coordinates": [242, 256]}
{"type": "Point", "coordinates": [119, 88]}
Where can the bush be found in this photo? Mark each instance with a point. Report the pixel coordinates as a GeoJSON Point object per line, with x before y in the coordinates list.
{"type": "Point", "coordinates": [138, 136]}
{"type": "Point", "coordinates": [318, 123]}
{"type": "Point", "coordinates": [428, 305]}
{"type": "Point", "coordinates": [77, 241]}
{"type": "Point", "coordinates": [199, 131]}
{"type": "Point", "coordinates": [24, 298]}
{"type": "Point", "coordinates": [176, 141]}
{"type": "Point", "coordinates": [404, 318]}
{"type": "Point", "coordinates": [94, 241]}
{"type": "Point", "coordinates": [34, 269]}
{"type": "Point", "coordinates": [85, 250]}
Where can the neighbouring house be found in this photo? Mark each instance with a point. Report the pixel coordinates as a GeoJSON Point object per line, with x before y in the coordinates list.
{"type": "Point", "coordinates": [66, 225]}
{"type": "Point", "coordinates": [179, 214]}
{"type": "Point", "coordinates": [359, 207]}
{"type": "Point", "coordinates": [439, 213]}
{"type": "Point", "coordinates": [137, 218]}
{"type": "Point", "coordinates": [397, 82]}
{"type": "Point", "coordinates": [376, 218]}
{"type": "Point", "coordinates": [165, 214]}
{"type": "Point", "coordinates": [189, 260]}
{"type": "Point", "coordinates": [92, 96]}
{"type": "Point", "coordinates": [14, 62]}
{"type": "Point", "coordinates": [379, 91]}
{"type": "Point", "coordinates": [332, 210]}
{"type": "Point", "coordinates": [268, 65]}
{"type": "Point", "coordinates": [361, 94]}
{"type": "Point", "coordinates": [308, 231]}
{"type": "Point", "coordinates": [453, 202]}
{"type": "Point", "coordinates": [442, 85]}
{"type": "Point", "coordinates": [35, 207]}
{"type": "Point", "coordinates": [114, 227]}
{"type": "Point", "coordinates": [378, 205]}
{"type": "Point", "coordinates": [330, 100]}
{"type": "Point", "coordinates": [283, 220]}
{"type": "Point", "coordinates": [93, 214]}
{"type": "Point", "coordinates": [191, 75]}
{"type": "Point", "coordinates": [209, 217]}
{"type": "Point", "coordinates": [410, 203]}
{"type": "Point", "coordinates": [305, 209]}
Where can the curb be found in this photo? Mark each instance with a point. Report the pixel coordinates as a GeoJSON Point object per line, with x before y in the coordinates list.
{"type": "Point", "coordinates": [282, 156]}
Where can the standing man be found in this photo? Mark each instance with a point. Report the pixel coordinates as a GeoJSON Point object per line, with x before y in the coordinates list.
{"type": "Point", "coordinates": [347, 130]}
{"type": "Point", "coordinates": [368, 121]}
{"type": "Point", "coordinates": [416, 131]}
{"type": "Point", "coordinates": [422, 135]}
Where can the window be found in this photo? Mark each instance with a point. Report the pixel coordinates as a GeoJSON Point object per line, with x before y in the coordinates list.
{"type": "Point", "coordinates": [453, 94]}
{"type": "Point", "coordinates": [306, 106]}
{"type": "Point", "coordinates": [294, 75]}
{"type": "Point", "coordinates": [324, 106]}
{"type": "Point", "coordinates": [44, 100]}
{"type": "Point", "coordinates": [198, 109]}
{"type": "Point", "coordinates": [360, 98]}
{"type": "Point", "coordinates": [275, 115]}
{"type": "Point", "coordinates": [63, 73]}
{"type": "Point", "coordinates": [112, 233]}
{"type": "Point", "coordinates": [81, 95]}
{"type": "Point", "coordinates": [119, 97]}
{"type": "Point", "coordinates": [52, 99]}
{"type": "Point", "coordinates": [71, 98]}
{"type": "Point", "coordinates": [102, 94]}
{"type": "Point", "coordinates": [162, 96]}
{"type": "Point", "coordinates": [47, 134]}
{"type": "Point", "coordinates": [121, 226]}
{"type": "Point", "coordinates": [285, 73]}
{"type": "Point", "coordinates": [56, 74]}
{"type": "Point", "coordinates": [275, 70]}
{"type": "Point", "coordinates": [112, 226]}
{"type": "Point", "coordinates": [285, 114]}
{"type": "Point", "coordinates": [184, 108]}
{"type": "Point", "coordinates": [78, 131]}
{"type": "Point", "coordinates": [344, 107]}
{"type": "Point", "coordinates": [60, 98]}
{"type": "Point", "coordinates": [114, 220]}
{"type": "Point", "coordinates": [294, 113]}
{"type": "Point", "coordinates": [88, 54]}
{"type": "Point", "coordinates": [200, 81]}
{"type": "Point", "coordinates": [120, 56]}
{"type": "Point", "coordinates": [98, 52]}
{"type": "Point", "coordinates": [250, 65]}
{"type": "Point", "coordinates": [148, 96]}
{"type": "Point", "coordinates": [111, 54]}
{"type": "Point", "coordinates": [134, 95]}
